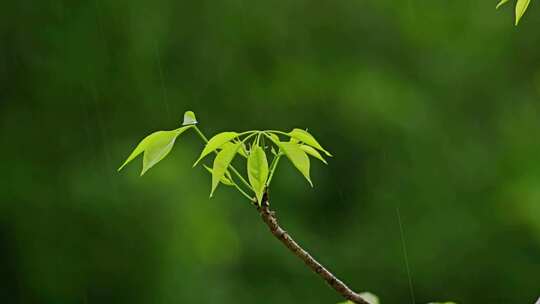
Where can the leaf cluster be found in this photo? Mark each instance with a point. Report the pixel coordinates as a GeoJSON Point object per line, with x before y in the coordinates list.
{"type": "Point", "coordinates": [253, 146]}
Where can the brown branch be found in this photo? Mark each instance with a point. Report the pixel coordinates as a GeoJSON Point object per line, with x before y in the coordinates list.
{"type": "Point", "coordinates": [269, 217]}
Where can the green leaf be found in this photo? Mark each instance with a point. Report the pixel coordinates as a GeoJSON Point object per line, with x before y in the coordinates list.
{"type": "Point", "coordinates": [241, 151]}
{"type": "Point", "coordinates": [308, 139]}
{"type": "Point", "coordinates": [311, 151]}
{"type": "Point", "coordinates": [224, 180]}
{"type": "Point", "coordinates": [221, 163]}
{"type": "Point", "coordinates": [189, 119]}
{"type": "Point", "coordinates": [501, 3]}
{"type": "Point", "coordinates": [257, 167]}
{"type": "Point", "coordinates": [441, 303]}
{"type": "Point", "coordinates": [295, 154]}
{"type": "Point", "coordinates": [521, 8]}
{"type": "Point", "coordinates": [216, 142]}
{"type": "Point", "coordinates": [298, 157]}
{"type": "Point", "coordinates": [155, 147]}
{"type": "Point", "coordinates": [273, 136]}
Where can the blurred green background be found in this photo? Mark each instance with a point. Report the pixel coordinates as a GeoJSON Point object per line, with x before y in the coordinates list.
{"type": "Point", "coordinates": [430, 108]}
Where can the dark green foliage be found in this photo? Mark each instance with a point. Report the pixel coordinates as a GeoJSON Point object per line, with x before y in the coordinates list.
{"type": "Point", "coordinates": [431, 106]}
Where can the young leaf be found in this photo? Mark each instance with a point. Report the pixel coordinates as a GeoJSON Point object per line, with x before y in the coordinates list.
{"type": "Point", "coordinates": [189, 118]}
{"type": "Point", "coordinates": [138, 150]}
{"type": "Point", "coordinates": [298, 157]}
{"type": "Point", "coordinates": [501, 3]}
{"type": "Point", "coordinates": [224, 180]}
{"type": "Point", "coordinates": [160, 145]}
{"type": "Point", "coordinates": [155, 147]}
{"type": "Point", "coordinates": [521, 8]}
{"type": "Point", "coordinates": [221, 162]}
{"type": "Point", "coordinates": [311, 151]}
{"type": "Point", "coordinates": [308, 139]}
{"type": "Point", "coordinates": [216, 142]}
{"type": "Point", "coordinates": [257, 167]}
{"type": "Point", "coordinates": [273, 136]}
{"type": "Point", "coordinates": [241, 151]}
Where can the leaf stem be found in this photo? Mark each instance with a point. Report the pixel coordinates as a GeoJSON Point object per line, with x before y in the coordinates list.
{"type": "Point", "coordinates": [233, 169]}
{"type": "Point", "coordinates": [258, 138]}
{"type": "Point", "coordinates": [201, 134]}
{"type": "Point", "coordinates": [242, 191]}
{"type": "Point", "coordinates": [273, 167]}
{"type": "Point", "coordinates": [274, 163]}
{"type": "Point", "coordinates": [247, 132]}
{"type": "Point", "coordinates": [278, 132]}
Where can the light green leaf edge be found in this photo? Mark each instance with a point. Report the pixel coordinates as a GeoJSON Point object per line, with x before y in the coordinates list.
{"type": "Point", "coordinates": [308, 139]}
{"type": "Point", "coordinates": [221, 163]}
{"type": "Point", "coordinates": [257, 168]}
{"type": "Point", "coordinates": [521, 8]}
{"type": "Point", "coordinates": [274, 138]}
{"type": "Point", "coordinates": [224, 180]}
{"type": "Point", "coordinates": [241, 151]}
{"type": "Point", "coordinates": [296, 155]}
{"type": "Point", "coordinates": [154, 152]}
{"type": "Point", "coordinates": [214, 143]}
{"type": "Point", "coordinates": [311, 151]}
{"type": "Point", "coordinates": [501, 3]}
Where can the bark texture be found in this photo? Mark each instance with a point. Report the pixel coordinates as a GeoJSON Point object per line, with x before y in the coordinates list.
{"type": "Point", "coordinates": [269, 217]}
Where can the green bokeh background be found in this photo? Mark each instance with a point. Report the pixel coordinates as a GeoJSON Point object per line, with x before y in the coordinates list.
{"type": "Point", "coordinates": [431, 108]}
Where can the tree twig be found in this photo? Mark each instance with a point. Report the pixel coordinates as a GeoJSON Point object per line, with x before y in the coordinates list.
{"type": "Point", "coordinates": [270, 219]}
